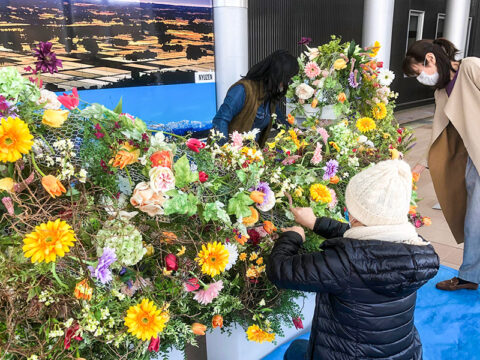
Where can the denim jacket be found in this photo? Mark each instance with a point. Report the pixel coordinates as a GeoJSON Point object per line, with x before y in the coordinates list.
{"type": "Point", "coordinates": [231, 107]}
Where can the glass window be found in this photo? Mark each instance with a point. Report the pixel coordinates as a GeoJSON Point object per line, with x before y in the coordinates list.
{"type": "Point", "coordinates": [440, 25]}
{"type": "Point", "coordinates": [415, 26]}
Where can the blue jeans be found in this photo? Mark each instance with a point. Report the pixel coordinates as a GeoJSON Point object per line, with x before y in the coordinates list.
{"type": "Point", "coordinates": [470, 269]}
{"type": "Point", "coordinates": [297, 350]}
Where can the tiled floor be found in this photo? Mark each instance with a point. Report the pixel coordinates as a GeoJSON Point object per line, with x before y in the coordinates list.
{"type": "Point", "coordinates": [438, 233]}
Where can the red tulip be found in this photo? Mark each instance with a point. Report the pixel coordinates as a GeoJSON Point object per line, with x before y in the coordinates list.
{"type": "Point", "coordinates": [298, 323]}
{"type": "Point", "coordinates": [202, 176]}
{"type": "Point", "coordinates": [191, 285]}
{"type": "Point", "coordinates": [195, 144]}
{"type": "Point", "coordinates": [70, 334]}
{"type": "Point", "coordinates": [399, 140]}
{"type": "Point", "coordinates": [400, 131]}
{"type": "Point", "coordinates": [171, 262]}
{"type": "Point", "coordinates": [70, 101]}
{"type": "Point", "coordinates": [154, 344]}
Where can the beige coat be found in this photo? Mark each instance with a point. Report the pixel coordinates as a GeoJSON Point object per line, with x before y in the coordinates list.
{"type": "Point", "coordinates": [455, 136]}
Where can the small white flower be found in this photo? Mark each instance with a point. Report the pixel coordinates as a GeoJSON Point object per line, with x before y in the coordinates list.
{"type": "Point", "coordinates": [82, 175]}
{"type": "Point", "coordinates": [158, 139]}
{"type": "Point", "coordinates": [68, 323]}
{"type": "Point", "coordinates": [251, 135]}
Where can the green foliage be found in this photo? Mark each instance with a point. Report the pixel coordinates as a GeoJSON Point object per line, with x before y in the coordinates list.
{"type": "Point", "coordinates": [238, 205]}
{"type": "Point", "coordinates": [183, 175]}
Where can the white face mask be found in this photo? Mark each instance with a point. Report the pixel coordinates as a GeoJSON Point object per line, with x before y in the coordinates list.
{"type": "Point", "coordinates": [428, 80]}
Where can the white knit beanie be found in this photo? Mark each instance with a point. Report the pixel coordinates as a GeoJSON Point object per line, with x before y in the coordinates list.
{"type": "Point", "coordinates": [380, 195]}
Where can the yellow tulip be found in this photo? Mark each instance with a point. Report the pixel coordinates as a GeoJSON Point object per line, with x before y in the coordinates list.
{"type": "Point", "coordinates": [54, 118]}
{"type": "Point", "coordinates": [6, 184]}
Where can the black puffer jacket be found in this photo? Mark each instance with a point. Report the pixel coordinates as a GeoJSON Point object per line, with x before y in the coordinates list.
{"type": "Point", "coordinates": [366, 292]}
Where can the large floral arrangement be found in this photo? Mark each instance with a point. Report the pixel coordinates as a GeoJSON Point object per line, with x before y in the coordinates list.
{"type": "Point", "coordinates": [118, 242]}
{"type": "Point", "coordinates": [342, 75]}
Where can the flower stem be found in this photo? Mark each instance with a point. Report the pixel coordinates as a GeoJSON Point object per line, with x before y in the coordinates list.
{"type": "Point", "coordinates": [200, 281]}
{"type": "Point", "coordinates": [175, 135]}
{"type": "Point", "coordinates": [54, 273]}
{"type": "Point", "coordinates": [35, 164]}
{"type": "Point", "coordinates": [128, 174]}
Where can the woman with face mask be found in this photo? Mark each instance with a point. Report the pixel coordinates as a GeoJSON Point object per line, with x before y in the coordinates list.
{"type": "Point", "coordinates": [250, 102]}
{"type": "Point", "coordinates": [454, 154]}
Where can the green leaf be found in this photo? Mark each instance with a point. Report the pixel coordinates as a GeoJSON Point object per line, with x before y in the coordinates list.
{"type": "Point", "coordinates": [183, 174]}
{"type": "Point", "coordinates": [118, 108]}
{"type": "Point", "coordinates": [242, 176]}
{"type": "Point", "coordinates": [181, 204]}
{"type": "Point", "coordinates": [238, 205]}
{"type": "Point", "coordinates": [215, 211]}
{"type": "Point", "coordinates": [351, 49]}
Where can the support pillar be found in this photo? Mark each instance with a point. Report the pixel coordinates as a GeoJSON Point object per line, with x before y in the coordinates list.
{"type": "Point", "coordinates": [377, 26]}
{"type": "Point", "coordinates": [456, 24]}
{"type": "Point", "coordinates": [230, 23]}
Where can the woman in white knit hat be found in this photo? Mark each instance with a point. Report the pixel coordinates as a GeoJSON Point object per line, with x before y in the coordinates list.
{"type": "Point", "coordinates": [367, 275]}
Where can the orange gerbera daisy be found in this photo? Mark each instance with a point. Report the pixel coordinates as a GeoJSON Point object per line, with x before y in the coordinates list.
{"type": "Point", "coordinates": [48, 241]}
{"type": "Point", "coordinates": [15, 139]}
{"type": "Point", "coordinates": [145, 321]}
{"type": "Point", "coordinates": [213, 258]}
{"type": "Point", "coordinates": [255, 333]}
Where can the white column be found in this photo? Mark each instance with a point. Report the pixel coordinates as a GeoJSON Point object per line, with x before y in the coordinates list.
{"type": "Point", "coordinates": [377, 26]}
{"type": "Point", "coordinates": [230, 23]}
{"type": "Point", "coordinates": [456, 24]}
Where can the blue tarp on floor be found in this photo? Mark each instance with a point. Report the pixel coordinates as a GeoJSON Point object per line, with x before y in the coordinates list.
{"type": "Point", "coordinates": [448, 322]}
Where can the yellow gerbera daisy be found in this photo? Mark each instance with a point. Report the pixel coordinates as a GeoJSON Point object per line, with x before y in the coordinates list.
{"type": "Point", "coordinates": [48, 241]}
{"type": "Point", "coordinates": [15, 139]}
{"type": "Point", "coordinates": [366, 124]}
{"type": "Point", "coordinates": [254, 333]}
{"type": "Point", "coordinates": [379, 111]}
{"type": "Point", "coordinates": [145, 321]}
{"type": "Point", "coordinates": [320, 193]}
{"type": "Point", "coordinates": [213, 258]}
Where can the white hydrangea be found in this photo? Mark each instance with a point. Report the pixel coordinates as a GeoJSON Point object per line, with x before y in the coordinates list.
{"type": "Point", "coordinates": [125, 239]}
{"type": "Point", "coordinates": [49, 100]}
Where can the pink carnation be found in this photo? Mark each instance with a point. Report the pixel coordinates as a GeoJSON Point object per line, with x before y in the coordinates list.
{"type": "Point", "coordinates": [207, 295]}
{"type": "Point", "coordinates": [333, 203]}
{"type": "Point", "coordinates": [317, 155]}
{"type": "Point", "coordinates": [324, 134]}
{"type": "Point", "coordinates": [237, 139]}
{"type": "Point", "coordinates": [312, 70]}
{"type": "Point", "coordinates": [290, 159]}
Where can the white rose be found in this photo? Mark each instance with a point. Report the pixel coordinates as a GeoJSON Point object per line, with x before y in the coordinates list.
{"type": "Point", "coordinates": [304, 91]}
{"type": "Point", "coordinates": [161, 179]}
{"type": "Point", "coordinates": [312, 53]}
{"type": "Point", "coordinates": [49, 100]}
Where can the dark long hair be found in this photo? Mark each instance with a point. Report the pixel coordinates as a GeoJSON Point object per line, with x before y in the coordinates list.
{"type": "Point", "coordinates": [276, 69]}
{"type": "Point", "coordinates": [444, 52]}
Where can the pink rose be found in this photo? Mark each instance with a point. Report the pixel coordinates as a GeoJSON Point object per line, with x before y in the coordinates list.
{"type": "Point", "coordinates": [147, 200]}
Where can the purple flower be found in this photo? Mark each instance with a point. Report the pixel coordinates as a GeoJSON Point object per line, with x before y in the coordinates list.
{"type": "Point", "coordinates": [102, 271]}
{"type": "Point", "coordinates": [6, 108]}
{"type": "Point", "coordinates": [352, 79]}
{"type": "Point", "coordinates": [46, 58]}
{"type": "Point", "coordinates": [305, 41]}
{"type": "Point", "coordinates": [331, 169]}
{"type": "Point", "coordinates": [269, 198]}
